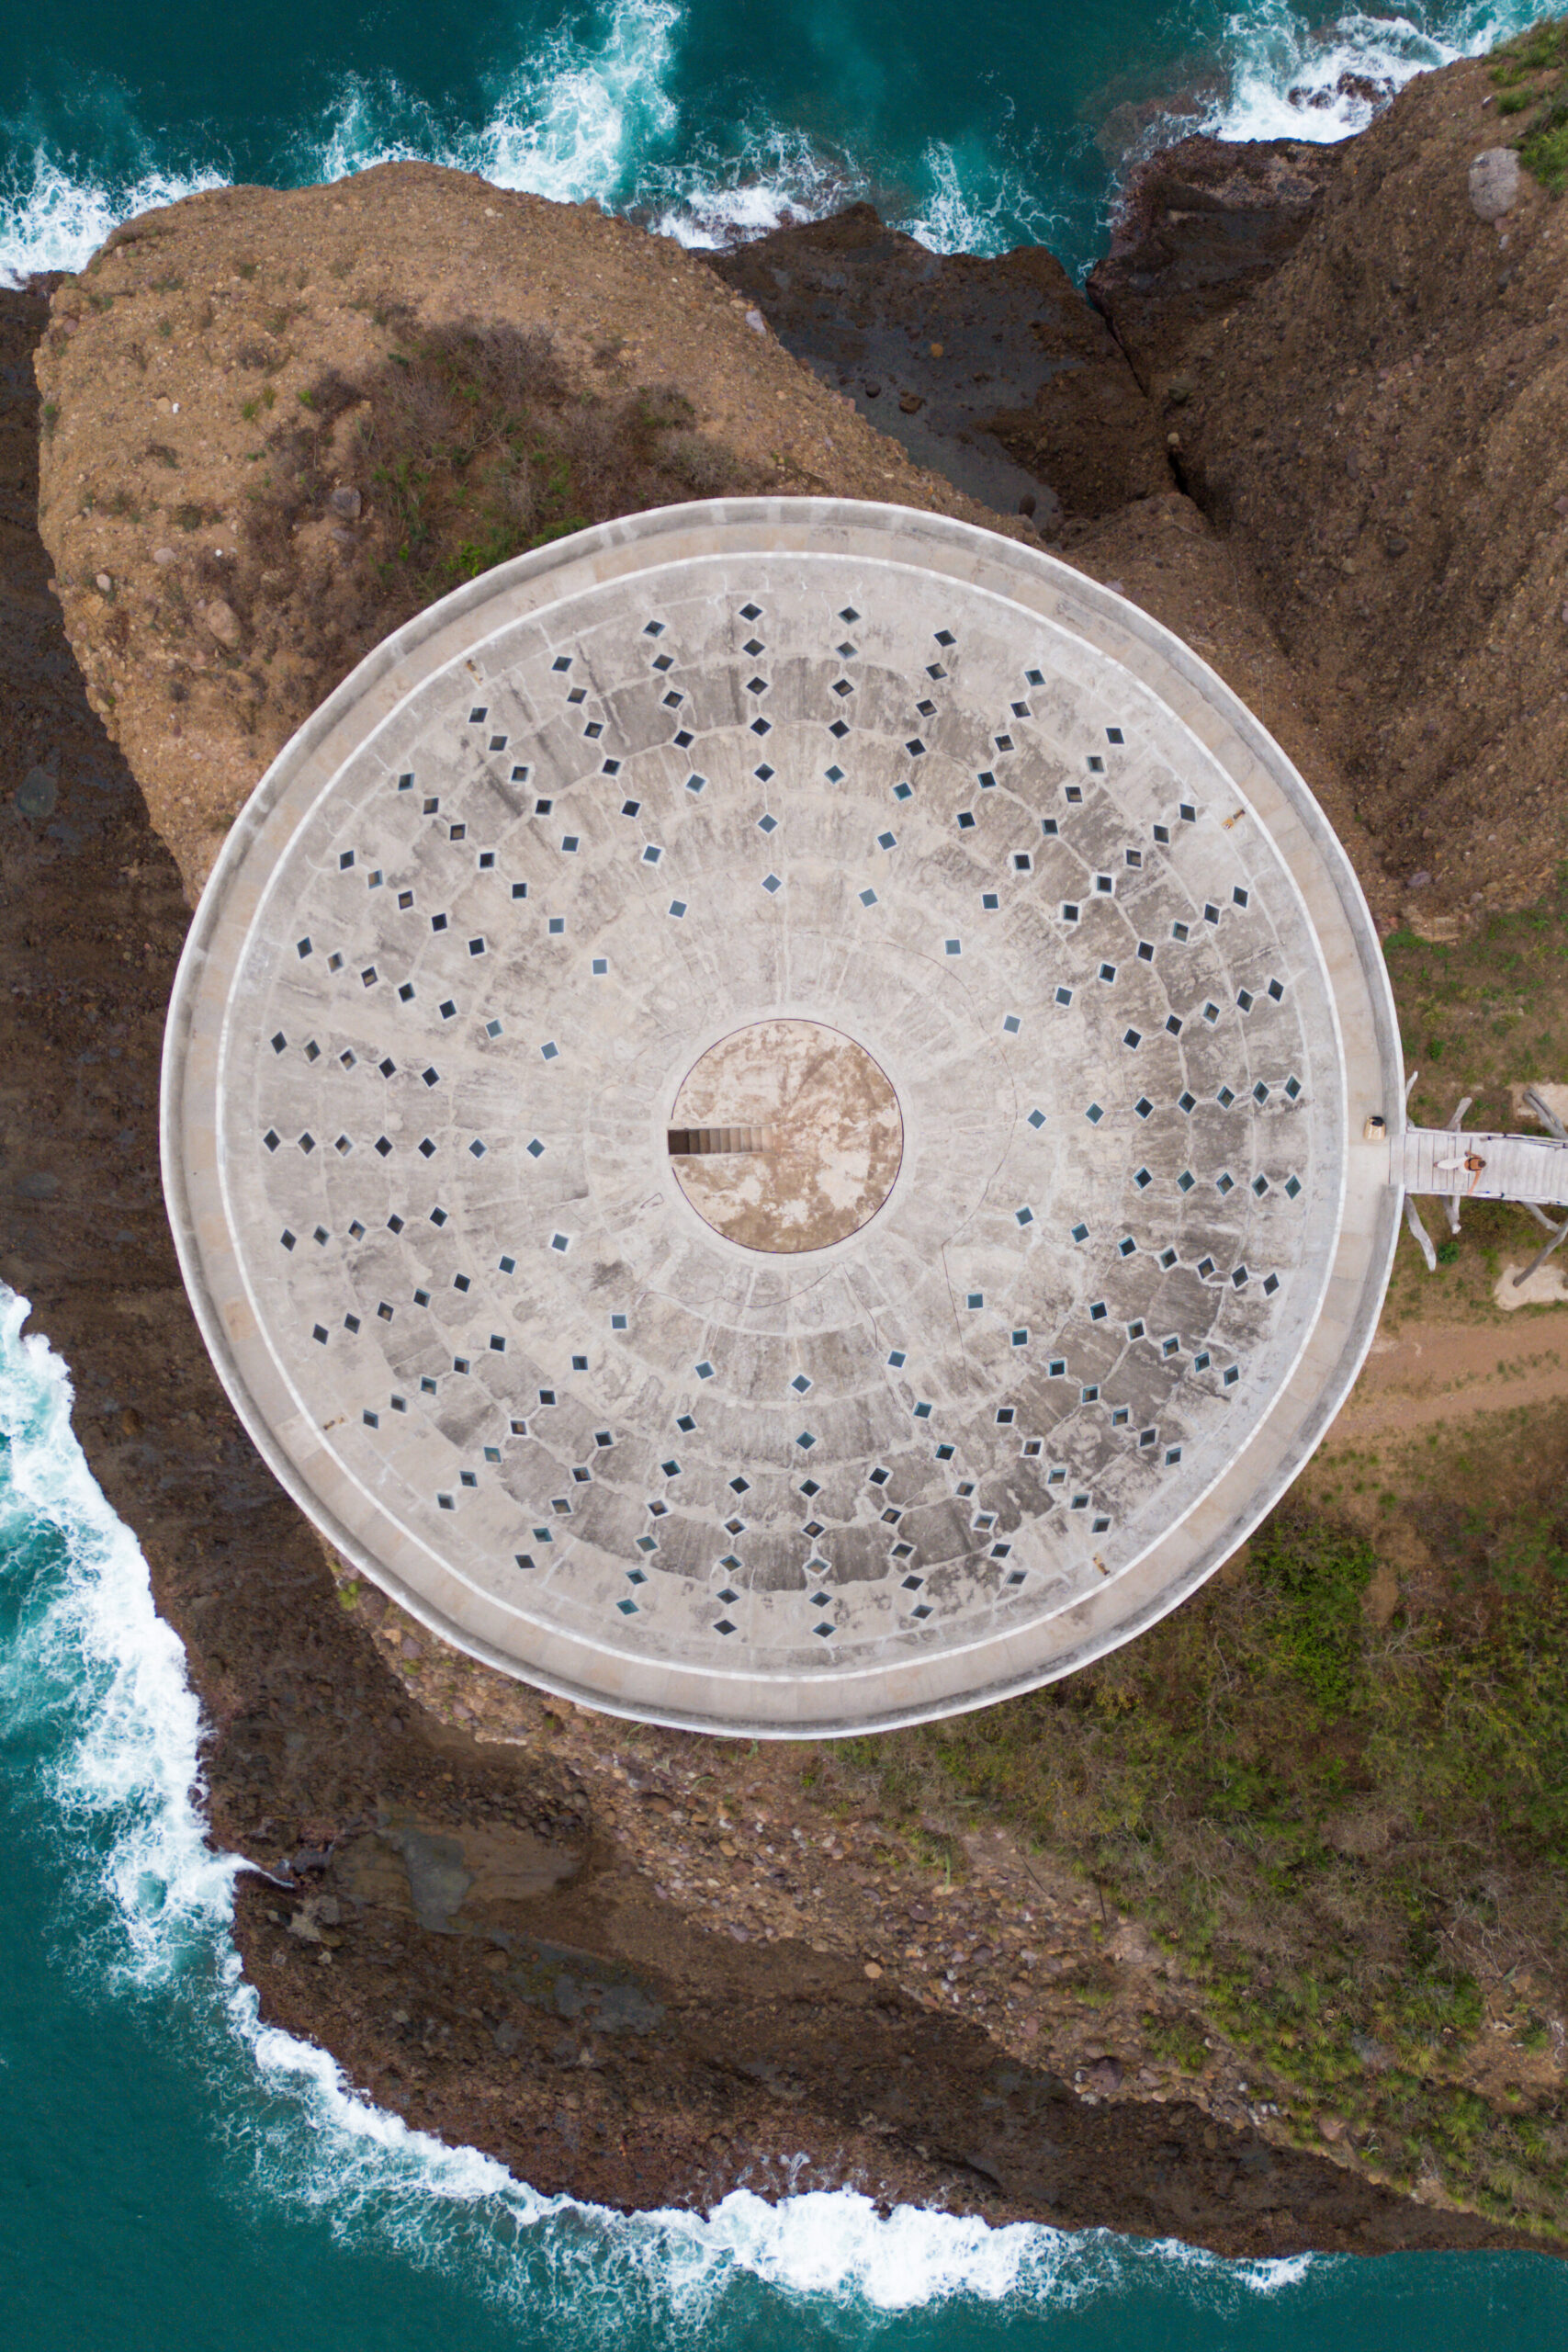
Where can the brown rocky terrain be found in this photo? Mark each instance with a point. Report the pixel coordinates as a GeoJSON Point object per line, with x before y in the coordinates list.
{"type": "Point", "coordinates": [640, 1966]}
{"type": "Point", "coordinates": [1376, 428]}
{"type": "Point", "coordinates": [252, 417]}
{"type": "Point", "coordinates": [1203, 226]}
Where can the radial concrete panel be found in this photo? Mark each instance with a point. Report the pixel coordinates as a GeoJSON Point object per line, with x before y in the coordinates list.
{"type": "Point", "coordinates": [763, 1116]}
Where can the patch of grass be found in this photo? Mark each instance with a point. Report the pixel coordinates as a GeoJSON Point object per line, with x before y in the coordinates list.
{"type": "Point", "coordinates": [1338, 1826]}
{"type": "Point", "coordinates": [1543, 151]}
{"type": "Point", "coordinates": [1536, 50]}
{"type": "Point", "coordinates": [1177, 2041]}
{"type": "Point", "coordinates": [1543, 50]}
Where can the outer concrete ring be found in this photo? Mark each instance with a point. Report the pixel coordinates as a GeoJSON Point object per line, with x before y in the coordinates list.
{"type": "Point", "coordinates": [847, 1701]}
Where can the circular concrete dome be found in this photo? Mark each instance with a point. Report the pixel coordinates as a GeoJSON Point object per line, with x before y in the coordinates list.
{"type": "Point", "coordinates": [763, 1118]}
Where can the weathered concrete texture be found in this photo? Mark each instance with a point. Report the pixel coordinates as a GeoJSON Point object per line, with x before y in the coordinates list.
{"type": "Point", "coordinates": [754, 762]}
{"type": "Point", "coordinates": [994, 373]}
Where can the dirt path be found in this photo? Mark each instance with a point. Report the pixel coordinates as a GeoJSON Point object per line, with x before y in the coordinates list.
{"type": "Point", "coordinates": [1426, 1373]}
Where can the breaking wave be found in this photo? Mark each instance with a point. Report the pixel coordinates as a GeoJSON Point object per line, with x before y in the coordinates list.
{"type": "Point", "coordinates": [612, 110]}
{"type": "Point", "coordinates": [99, 1710]}
{"type": "Point", "coordinates": [1286, 77]}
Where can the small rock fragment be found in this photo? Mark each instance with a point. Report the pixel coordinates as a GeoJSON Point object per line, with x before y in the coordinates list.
{"type": "Point", "coordinates": [162, 555]}
{"type": "Point", "coordinates": [102, 583]}
{"type": "Point", "coordinates": [1493, 182]}
{"type": "Point", "coordinates": [223, 621]}
{"type": "Point", "coordinates": [756, 321]}
{"type": "Point", "coordinates": [345, 499]}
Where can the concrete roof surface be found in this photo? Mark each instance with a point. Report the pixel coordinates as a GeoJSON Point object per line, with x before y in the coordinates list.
{"type": "Point", "coordinates": [1042, 1015]}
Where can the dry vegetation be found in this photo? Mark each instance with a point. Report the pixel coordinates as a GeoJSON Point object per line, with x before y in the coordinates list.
{"type": "Point", "coordinates": [466, 446]}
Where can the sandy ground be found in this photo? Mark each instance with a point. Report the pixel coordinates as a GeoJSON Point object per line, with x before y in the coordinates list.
{"type": "Point", "coordinates": [1429, 1373]}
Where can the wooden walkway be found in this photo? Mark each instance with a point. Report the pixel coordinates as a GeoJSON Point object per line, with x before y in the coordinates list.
{"type": "Point", "coordinates": [1516, 1168]}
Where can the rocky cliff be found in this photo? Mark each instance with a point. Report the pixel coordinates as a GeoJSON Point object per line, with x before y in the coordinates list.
{"type": "Point", "coordinates": [1309, 424]}
{"type": "Point", "coordinates": [1376, 427]}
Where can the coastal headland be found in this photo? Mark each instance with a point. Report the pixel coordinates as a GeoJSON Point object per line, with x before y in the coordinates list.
{"type": "Point", "coordinates": [1255, 1937]}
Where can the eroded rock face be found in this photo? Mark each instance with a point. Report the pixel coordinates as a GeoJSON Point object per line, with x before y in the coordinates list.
{"type": "Point", "coordinates": [994, 373]}
{"type": "Point", "coordinates": [1493, 182]}
{"type": "Point", "coordinates": [1200, 226]}
{"type": "Point", "coordinates": [1381, 434]}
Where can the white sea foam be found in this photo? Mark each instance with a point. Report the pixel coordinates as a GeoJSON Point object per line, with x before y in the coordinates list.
{"type": "Point", "coordinates": [575, 120]}
{"type": "Point", "coordinates": [101, 1657]}
{"type": "Point", "coordinates": [770, 179]}
{"type": "Point", "coordinates": [50, 219]}
{"type": "Point", "coordinates": [1287, 78]}
{"type": "Point", "coordinates": [836, 2244]}
{"type": "Point", "coordinates": [589, 115]}
{"type": "Point", "coordinates": [575, 124]}
{"type": "Point", "coordinates": [96, 1669]}
{"type": "Point", "coordinates": [974, 205]}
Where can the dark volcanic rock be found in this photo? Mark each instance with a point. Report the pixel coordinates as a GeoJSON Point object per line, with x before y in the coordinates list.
{"type": "Point", "coordinates": [1200, 227]}
{"type": "Point", "coordinates": [994, 373]}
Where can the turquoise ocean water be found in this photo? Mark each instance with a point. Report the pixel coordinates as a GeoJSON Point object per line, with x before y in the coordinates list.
{"type": "Point", "coordinates": [172, 2174]}
{"type": "Point", "coordinates": [978, 126]}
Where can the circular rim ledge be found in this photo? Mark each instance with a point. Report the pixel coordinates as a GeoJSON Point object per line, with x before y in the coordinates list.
{"type": "Point", "coordinates": [846, 1701]}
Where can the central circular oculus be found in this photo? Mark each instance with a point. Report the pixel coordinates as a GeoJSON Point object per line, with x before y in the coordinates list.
{"type": "Point", "coordinates": [785, 1136]}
